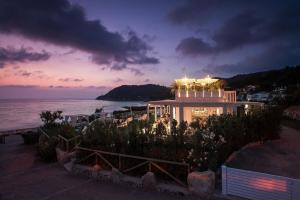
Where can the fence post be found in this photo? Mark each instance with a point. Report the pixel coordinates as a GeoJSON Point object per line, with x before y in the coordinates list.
{"type": "Point", "coordinates": [67, 142]}
{"type": "Point", "coordinates": [224, 180]}
{"type": "Point", "coordinates": [149, 166]}
{"type": "Point", "coordinates": [119, 162]}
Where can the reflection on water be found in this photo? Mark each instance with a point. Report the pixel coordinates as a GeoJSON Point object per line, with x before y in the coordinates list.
{"type": "Point", "coordinates": [24, 113]}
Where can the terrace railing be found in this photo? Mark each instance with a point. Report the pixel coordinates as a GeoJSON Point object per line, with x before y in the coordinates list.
{"type": "Point", "coordinates": [150, 163]}
{"type": "Point", "coordinates": [4, 134]}
{"type": "Point", "coordinates": [68, 144]}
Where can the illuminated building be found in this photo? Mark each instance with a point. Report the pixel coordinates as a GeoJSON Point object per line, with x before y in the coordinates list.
{"type": "Point", "coordinates": [198, 99]}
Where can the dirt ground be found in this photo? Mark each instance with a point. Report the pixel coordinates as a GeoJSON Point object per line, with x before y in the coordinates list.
{"type": "Point", "coordinates": [278, 157]}
{"type": "Point", "coordinates": [23, 176]}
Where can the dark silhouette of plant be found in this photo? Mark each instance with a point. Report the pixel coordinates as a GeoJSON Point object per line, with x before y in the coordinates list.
{"type": "Point", "coordinates": [203, 145]}
{"type": "Point", "coordinates": [50, 118]}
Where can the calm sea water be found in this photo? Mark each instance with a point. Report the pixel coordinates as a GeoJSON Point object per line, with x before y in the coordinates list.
{"type": "Point", "coordinates": [24, 113]}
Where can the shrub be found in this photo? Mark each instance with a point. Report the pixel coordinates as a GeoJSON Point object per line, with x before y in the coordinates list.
{"type": "Point", "coordinates": [46, 148]}
{"type": "Point", "coordinates": [203, 145]}
{"type": "Point", "coordinates": [47, 143]}
{"type": "Point", "coordinates": [31, 137]}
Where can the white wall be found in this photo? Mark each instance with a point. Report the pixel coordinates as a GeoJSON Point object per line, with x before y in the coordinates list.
{"type": "Point", "coordinates": [259, 186]}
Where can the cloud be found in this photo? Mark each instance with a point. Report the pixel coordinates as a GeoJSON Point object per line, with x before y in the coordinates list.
{"type": "Point", "coordinates": [194, 46]}
{"type": "Point", "coordinates": [136, 72]}
{"type": "Point", "coordinates": [273, 57]}
{"type": "Point", "coordinates": [11, 55]}
{"type": "Point", "coordinates": [246, 28]}
{"type": "Point", "coordinates": [240, 26]}
{"type": "Point", "coordinates": [197, 11]}
{"type": "Point", "coordinates": [23, 73]}
{"type": "Point", "coordinates": [51, 92]}
{"type": "Point", "coordinates": [118, 80]}
{"type": "Point", "coordinates": [147, 80]}
{"type": "Point", "coordinates": [63, 23]}
{"type": "Point", "coordinates": [70, 80]}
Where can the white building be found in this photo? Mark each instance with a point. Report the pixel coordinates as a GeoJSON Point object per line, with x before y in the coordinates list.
{"type": "Point", "coordinates": [197, 99]}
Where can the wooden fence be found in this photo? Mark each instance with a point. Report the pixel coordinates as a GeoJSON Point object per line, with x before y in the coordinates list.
{"type": "Point", "coordinates": [151, 163]}
{"type": "Point", "coordinates": [259, 186]}
{"type": "Point", "coordinates": [4, 134]}
{"type": "Point", "coordinates": [68, 144]}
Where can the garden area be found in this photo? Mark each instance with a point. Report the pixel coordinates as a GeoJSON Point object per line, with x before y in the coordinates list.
{"type": "Point", "coordinates": [200, 145]}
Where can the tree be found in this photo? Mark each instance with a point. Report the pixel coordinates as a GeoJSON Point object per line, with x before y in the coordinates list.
{"type": "Point", "coordinates": [50, 118]}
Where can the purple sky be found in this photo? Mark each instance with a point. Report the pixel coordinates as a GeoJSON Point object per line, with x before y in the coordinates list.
{"type": "Point", "coordinates": [83, 48]}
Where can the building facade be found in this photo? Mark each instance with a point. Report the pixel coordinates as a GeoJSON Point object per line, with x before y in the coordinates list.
{"type": "Point", "coordinates": [198, 99]}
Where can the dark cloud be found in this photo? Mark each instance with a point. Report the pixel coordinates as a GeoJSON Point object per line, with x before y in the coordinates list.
{"type": "Point", "coordinates": [136, 72]}
{"type": "Point", "coordinates": [62, 23]}
{"type": "Point", "coordinates": [23, 73]}
{"type": "Point", "coordinates": [194, 46]}
{"type": "Point", "coordinates": [11, 55]}
{"type": "Point", "coordinates": [70, 80]}
{"type": "Point", "coordinates": [246, 28]}
{"type": "Point", "coordinates": [198, 11]}
{"type": "Point", "coordinates": [242, 25]}
{"type": "Point", "coordinates": [118, 80]}
{"type": "Point", "coordinates": [276, 56]}
{"type": "Point", "coordinates": [147, 80]}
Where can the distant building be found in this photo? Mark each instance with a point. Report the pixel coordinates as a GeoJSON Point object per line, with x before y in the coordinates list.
{"type": "Point", "coordinates": [259, 96]}
{"type": "Point", "coordinates": [198, 99]}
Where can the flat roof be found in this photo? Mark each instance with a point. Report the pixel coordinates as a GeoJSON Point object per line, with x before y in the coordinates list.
{"type": "Point", "coordinates": [199, 103]}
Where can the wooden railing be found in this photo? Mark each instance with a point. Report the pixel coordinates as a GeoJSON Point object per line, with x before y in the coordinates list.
{"type": "Point", "coordinates": [68, 144]}
{"type": "Point", "coordinates": [43, 132]}
{"type": "Point", "coordinates": [144, 161]}
{"type": "Point", "coordinates": [4, 134]}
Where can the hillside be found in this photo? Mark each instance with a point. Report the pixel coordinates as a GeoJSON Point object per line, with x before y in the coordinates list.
{"type": "Point", "coordinates": [262, 80]}
{"type": "Point", "coordinates": [137, 93]}
{"type": "Point", "coordinates": [267, 79]}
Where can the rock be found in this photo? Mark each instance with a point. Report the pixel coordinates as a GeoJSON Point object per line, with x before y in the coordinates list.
{"type": "Point", "coordinates": [69, 165]}
{"type": "Point", "coordinates": [62, 156]}
{"type": "Point", "coordinates": [149, 181]}
{"type": "Point", "coordinates": [116, 175]}
{"type": "Point", "coordinates": [202, 184]}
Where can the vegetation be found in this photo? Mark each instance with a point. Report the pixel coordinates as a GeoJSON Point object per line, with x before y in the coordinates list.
{"type": "Point", "coordinates": [267, 80]}
{"type": "Point", "coordinates": [203, 145]}
{"type": "Point", "coordinates": [197, 87]}
{"type": "Point", "coordinates": [146, 92]}
{"type": "Point", "coordinates": [31, 137]}
{"type": "Point", "coordinates": [264, 81]}
{"type": "Point", "coordinates": [48, 140]}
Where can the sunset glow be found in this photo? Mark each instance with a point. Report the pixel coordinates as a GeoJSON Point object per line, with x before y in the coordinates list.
{"type": "Point", "coordinates": [139, 42]}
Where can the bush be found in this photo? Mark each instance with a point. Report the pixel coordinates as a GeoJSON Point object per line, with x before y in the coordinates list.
{"type": "Point", "coordinates": [47, 145]}
{"type": "Point", "coordinates": [46, 148]}
{"type": "Point", "coordinates": [31, 137]}
{"type": "Point", "coordinates": [203, 145]}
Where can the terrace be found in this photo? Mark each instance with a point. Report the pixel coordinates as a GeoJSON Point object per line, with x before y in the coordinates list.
{"type": "Point", "coordinates": [198, 99]}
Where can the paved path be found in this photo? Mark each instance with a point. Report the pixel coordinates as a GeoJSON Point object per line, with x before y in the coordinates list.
{"type": "Point", "coordinates": [23, 176]}
{"type": "Point", "coordinates": [280, 157]}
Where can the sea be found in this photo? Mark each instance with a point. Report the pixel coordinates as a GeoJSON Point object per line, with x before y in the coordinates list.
{"type": "Point", "coordinates": [24, 113]}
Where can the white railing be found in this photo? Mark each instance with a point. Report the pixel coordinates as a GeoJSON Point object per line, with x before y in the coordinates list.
{"type": "Point", "coordinates": [201, 96]}
{"type": "Point", "coordinates": [259, 186]}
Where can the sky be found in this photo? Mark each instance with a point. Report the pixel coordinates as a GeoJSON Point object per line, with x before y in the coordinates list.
{"type": "Point", "coordinates": [84, 48]}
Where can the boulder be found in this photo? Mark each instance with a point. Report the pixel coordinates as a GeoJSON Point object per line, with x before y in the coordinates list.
{"type": "Point", "coordinates": [62, 156]}
{"type": "Point", "coordinates": [202, 184]}
{"type": "Point", "coordinates": [149, 181]}
{"type": "Point", "coordinates": [116, 175]}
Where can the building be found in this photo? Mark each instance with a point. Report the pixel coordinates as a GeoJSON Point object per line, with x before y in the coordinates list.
{"type": "Point", "coordinates": [198, 99]}
{"type": "Point", "coordinates": [259, 96]}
